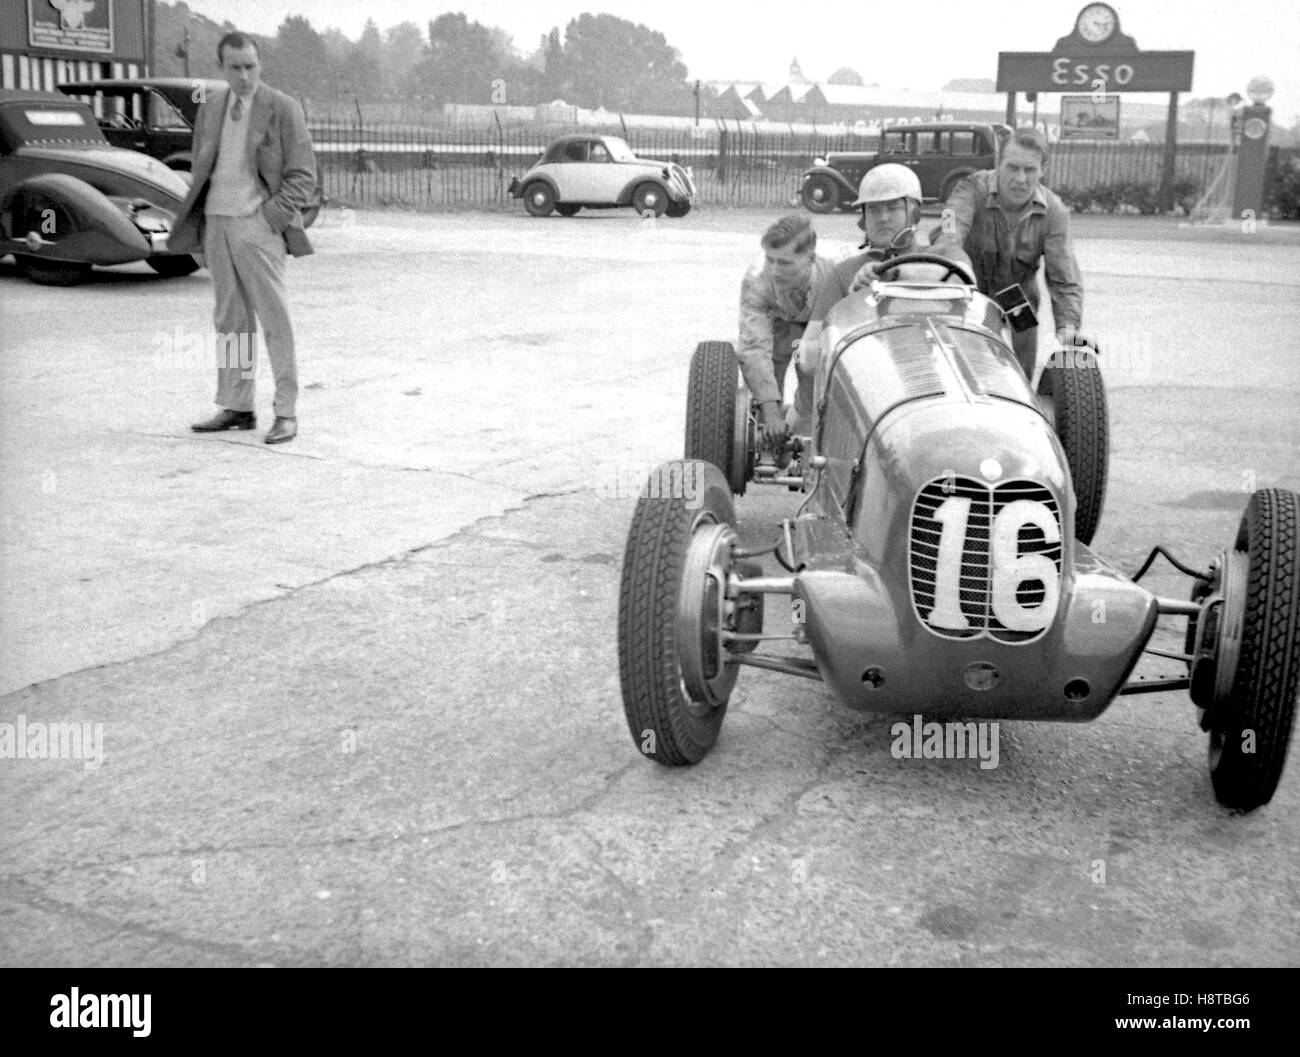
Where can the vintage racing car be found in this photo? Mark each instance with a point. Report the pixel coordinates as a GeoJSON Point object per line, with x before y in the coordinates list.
{"type": "Point", "coordinates": [602, 172]}
{"type": "Point", "coordinates": [70, 200]}
{"type": "Point", "coordinates": [939, 563]}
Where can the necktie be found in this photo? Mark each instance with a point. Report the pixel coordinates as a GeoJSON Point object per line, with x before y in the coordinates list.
{"type": "Point", "coordinates": [237, 111]}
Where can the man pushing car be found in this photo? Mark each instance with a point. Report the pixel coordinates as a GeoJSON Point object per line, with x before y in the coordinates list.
{"type": "Point", "coordinates": [1008, 222]}
{"type": "Point", "coordinates": [777, 296]}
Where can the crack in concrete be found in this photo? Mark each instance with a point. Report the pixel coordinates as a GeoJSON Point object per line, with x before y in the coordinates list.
{"type": "Point", "coordinates": [392, 559]}
{"type": "Point", "coordinates": [34, 898]}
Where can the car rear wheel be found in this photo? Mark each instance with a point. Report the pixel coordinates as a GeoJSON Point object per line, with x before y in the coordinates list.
{"type": "Point", "coordinates": [1250, 732]}
{"type": "Point", "coordinates": [820, 195]}
{"type": "Point", "coordinates": [650, 198]}
{"type": "Point", "coordinates": [717, 414]}
{"type": "Point", "coordinates": [538, 199]}
{"type": "Point", "coordinates": [567, 209]}
{"type": "Point", "coordinates": [1074, 396]}
{"type": "Point", "coordinates": [672, 656]}
{"type": "Point", "coordinates": [174, 265]}
{"type": "Point", "coordinates": [52, 273]}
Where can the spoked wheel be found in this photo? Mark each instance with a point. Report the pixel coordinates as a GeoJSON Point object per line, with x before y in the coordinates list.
{"type": "Point", "coordinates": [719, 425]}
{"type": "Point", "coordinates": [1259, 625]}
{"type": "Point", "coordinates": [674, 616]}
{"type": "Point", "coordinates": [1074, 397]}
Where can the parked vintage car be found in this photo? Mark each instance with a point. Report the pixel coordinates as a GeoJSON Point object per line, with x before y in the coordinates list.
{"type": "Point", "coordinates": [940, 563]}
{"type": "Point", "coordinates": [70, 200]}
{"type": "Point", "coordinates": [940, 154]}
{"type": "Point", "coordinates": [156, 115]}
{"type": "Point", "coordinates": [153, 115]}
{"type": "Point", "coordinates": [602, 172]}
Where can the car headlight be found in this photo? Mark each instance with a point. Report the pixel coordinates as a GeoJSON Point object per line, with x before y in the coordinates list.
{"type": "Point", "coordinates": [820, 161]}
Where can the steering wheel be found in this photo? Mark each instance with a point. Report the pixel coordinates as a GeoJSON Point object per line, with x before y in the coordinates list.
{"type": "Point", "coordinates": [954, 268]}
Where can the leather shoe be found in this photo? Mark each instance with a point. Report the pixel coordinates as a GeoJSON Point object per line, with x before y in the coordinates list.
{"type": "Point", "coordinates": [281, 430]}
{"type": "Point", "coordinates": [226, 420]}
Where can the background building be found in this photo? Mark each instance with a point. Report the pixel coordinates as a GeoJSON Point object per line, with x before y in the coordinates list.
{"type": "Point", "coordinates": [42, 45]}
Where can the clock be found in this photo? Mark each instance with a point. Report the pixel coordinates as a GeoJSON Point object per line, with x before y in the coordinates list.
{"type": "Point", "coordinates": [1097, 23]}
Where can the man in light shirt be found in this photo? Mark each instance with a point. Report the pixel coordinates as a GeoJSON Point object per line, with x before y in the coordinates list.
{"type": "Point", "coordinates": [254, 171]}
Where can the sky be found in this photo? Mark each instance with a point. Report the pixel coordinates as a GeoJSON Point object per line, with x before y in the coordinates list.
{"type": "Point", "coordinates": [895, 45]}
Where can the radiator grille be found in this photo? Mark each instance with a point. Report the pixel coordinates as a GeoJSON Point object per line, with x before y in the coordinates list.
{"type": "Point", "coordinates": [955, 591]}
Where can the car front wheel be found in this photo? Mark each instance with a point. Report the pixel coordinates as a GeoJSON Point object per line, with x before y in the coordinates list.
{"type": "Point", "coordinates": [567, 209]}
{"type": "Point", "coordinates": [678, 209]}
{"type": "Point", "coordinates": [1250, 732]}
{"type": "Point", "coordinates": [675, 619]}
{"type": "Point", "coordinates": [539, 200]}
{"type": "Point", "coordinates": [820, 195]}
{"type": "Point", "coordinates": [650, 198]}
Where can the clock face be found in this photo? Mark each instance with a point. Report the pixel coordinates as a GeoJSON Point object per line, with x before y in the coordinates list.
{"type": "Point", "coordinates": [1097, 22]}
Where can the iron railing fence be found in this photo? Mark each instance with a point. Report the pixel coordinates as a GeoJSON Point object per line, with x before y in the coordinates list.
{"type": "Point", "coordinates": [368, 163]}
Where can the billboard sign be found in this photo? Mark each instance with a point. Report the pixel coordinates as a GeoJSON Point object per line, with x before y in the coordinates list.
{"type": "Point", "coordinates": [71, 25]}
{"type": "Point", "coordinates": [1090, 117]}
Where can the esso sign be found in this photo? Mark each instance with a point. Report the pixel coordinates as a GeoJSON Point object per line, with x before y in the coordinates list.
{"type": "Point", "coordinates": [1066, 71]}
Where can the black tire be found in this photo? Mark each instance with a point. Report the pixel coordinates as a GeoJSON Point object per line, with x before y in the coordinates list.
{"type": "Point", "coordinates": [650, 198]}
{"type": "Point", "coordinates": [711, 411]}
{"type": "Point", "coordinates": [1262, 703]}
{"type": "Point", "coordinates": [173, 266]}
{"type": "Point", "coordinates": [52, 273]}
{"type": "Point", "coordinates": [539, 199]}
{"type": "Point", "coordinates": [677, 210]}
{"type": "Point", "coordinates": [666, 723]}
{"type": "Point", "coordinates": [820, 194]}
{"type": "Point", "coordinates": [1078, 396]}
{"type": "Point", "coordinates": [567, 209]}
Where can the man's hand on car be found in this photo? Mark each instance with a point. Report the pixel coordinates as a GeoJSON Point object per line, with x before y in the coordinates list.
{"type": "Point", "coordinates": [1069, 335]}
{"type": "Point", "coordinates": [772, 423]}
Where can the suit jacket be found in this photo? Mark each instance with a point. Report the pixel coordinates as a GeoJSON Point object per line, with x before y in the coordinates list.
{"type": "Point", "coordinates": [285, 163]}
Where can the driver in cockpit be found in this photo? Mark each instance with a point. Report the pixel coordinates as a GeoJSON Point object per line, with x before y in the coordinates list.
{"type": "Point", "coordinates": [890, 199]}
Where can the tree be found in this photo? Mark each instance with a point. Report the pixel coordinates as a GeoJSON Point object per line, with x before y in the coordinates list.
{"type": "Point", "coordinates": [614, 63]}
{"type": "Point", "coordinates": [465, 62]}
{"type": "Point", "coordinates": [403, 49]}
{"type": "Point", "coordinates": [299, 63]}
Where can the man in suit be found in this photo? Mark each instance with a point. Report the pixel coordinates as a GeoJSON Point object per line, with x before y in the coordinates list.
{"type": "Point", "coordinates": [253, 172]}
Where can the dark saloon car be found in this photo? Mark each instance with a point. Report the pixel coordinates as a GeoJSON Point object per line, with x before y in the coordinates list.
{"type": "Point", "coordinates": [940, 154]}
{"type": "Point", "coordinates": [154, 115]}
{"type": "Point", "coordinates": [69, 199]}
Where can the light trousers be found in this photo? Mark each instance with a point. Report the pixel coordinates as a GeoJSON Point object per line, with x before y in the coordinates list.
{"type": "Point", "coordinates": [246, 260]}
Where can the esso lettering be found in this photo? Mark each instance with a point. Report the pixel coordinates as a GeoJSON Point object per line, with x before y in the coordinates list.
{"type": "Point", "coordinates": [1084, 73]}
